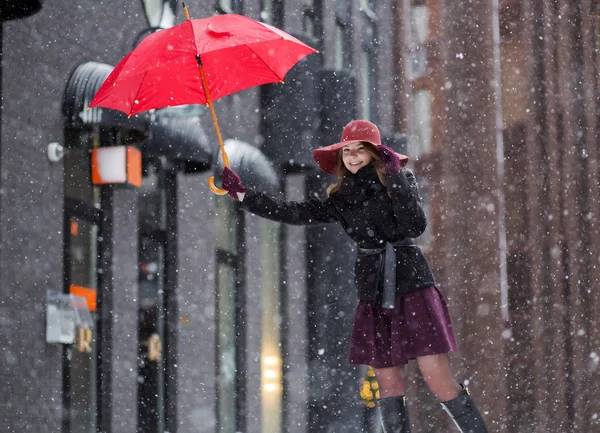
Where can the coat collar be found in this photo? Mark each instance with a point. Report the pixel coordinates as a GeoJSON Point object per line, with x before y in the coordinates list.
{"type": "Point", "coordinates": [359, 187]}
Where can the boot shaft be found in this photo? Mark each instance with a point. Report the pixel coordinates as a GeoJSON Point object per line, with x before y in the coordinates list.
{"type": "Point", "coordinates": [464, 413]}
{"type": "Point", "coordinates": [394, 414]}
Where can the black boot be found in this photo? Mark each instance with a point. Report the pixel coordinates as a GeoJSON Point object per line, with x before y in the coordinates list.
{"type": "Point", "coordinates": [464, 413]}
{"type": "Point", "coordinates": [394, 415]}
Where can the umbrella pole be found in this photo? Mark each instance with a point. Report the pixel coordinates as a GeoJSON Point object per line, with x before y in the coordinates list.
{"type": "Point", "coordinates": [211, 180]}
{"type": "Point", "coordinates": [214, 116]}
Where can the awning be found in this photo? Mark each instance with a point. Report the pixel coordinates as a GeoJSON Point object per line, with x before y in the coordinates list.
{"type": "Point", "coordinates": [15, 9]}
{"type": "Point", "coordinates": [173, 132]}
{"type": "Point", "coordinates": [182, 140]}
{"type": "Point", "coordinates": [254, 168]}
{"type": "Point", "coordinates": [83, 84]}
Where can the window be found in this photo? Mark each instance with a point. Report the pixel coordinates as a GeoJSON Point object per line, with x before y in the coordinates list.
{"type": "Point", "coordinates": [82, 217]}
{"type": "Point", "coordinates": [365, 85]}
{"type": "Point", "coordinates": [419, 29]}
{"type": "Point", "coordinates": [421, 140]}
{"type": "Point", "coordinates": [229, 6]}
{"type": "Point", "coordinates": [160, 13]}
{"type": "Point", "coordinates": [271, 362]}
{"type": "Point", "coordinates": [342, 44]}
{"type": "Point", "coordinates": [271, 12]}
{"type": "Point", "coordinates": [226, 348]}
{"type": "Point", "coordinates": [152, 299]}
{"type": "Point", "coordinates": [308, 18]}
{"type": "Point", "coordinates": [230, 317]}
{"type": "Point", "coordinates": [225, 6]}
{"type": "Point", "coordinates": [368, 64]}
{"type": "Point", "coordinates": [266, 11]}
{"type": "Point", "coordinates": [82, 366]}
{"type": "Point", "coordinates": [338, 45]}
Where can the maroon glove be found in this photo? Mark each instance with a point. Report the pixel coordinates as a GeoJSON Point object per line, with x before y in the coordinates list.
{"type": "Point", "coordinates": [390, 160]}
{"type": "Point", "coordinates": [232, 183]}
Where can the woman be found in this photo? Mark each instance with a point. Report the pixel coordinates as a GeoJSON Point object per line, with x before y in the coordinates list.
{"type": "Point", "coordinates": [378, 204]}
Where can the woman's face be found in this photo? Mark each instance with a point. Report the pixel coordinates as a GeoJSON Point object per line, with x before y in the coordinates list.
{"type": "Point", "coordinates": [355, 156]}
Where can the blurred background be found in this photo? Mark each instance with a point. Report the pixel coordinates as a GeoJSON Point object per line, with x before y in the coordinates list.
{"type": "Point", "coordinates": [201, 318]}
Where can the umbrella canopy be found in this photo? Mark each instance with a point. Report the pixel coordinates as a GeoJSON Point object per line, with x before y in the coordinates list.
{"type": "Point", "coordinates": [236, 53]}
{"type": "Point", "coordinates": [197, 62]}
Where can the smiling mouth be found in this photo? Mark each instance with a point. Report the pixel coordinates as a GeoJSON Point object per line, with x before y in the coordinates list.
{"type": "Point", "coordinates": [355, 163]}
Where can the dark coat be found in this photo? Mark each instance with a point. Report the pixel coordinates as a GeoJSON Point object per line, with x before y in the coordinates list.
{"type": "Point", "coordinates": [371, 218]}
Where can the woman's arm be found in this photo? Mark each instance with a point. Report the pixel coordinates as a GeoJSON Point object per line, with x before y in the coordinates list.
{"type": "Point", "coordinates": [298, 213]}
{"type": "Point", "coordinates": [313, 211]}
{"type": "Point", "coordinates": [406, 201]}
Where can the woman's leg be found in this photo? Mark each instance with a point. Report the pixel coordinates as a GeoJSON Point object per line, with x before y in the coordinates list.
{"type": "Point", "coordinates": [391, 381]}
{"type": "Point", "coordinates": [438, 377]}
{"type": "Point", "coordinates": [392, 404]}
{"type": "Point", "coordinates": [455, 399]}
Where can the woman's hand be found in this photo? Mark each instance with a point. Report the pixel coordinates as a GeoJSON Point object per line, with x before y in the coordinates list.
{"type": "Point", "coordinates": [233, 184]}
{"type": "Point", "coordinates": [390, 160]}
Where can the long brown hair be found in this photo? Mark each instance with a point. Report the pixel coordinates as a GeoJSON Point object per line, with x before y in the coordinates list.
{"type": "Point", "coordinates": [342, 170]}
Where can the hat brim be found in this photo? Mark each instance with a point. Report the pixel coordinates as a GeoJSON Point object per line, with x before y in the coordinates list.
{"type": "Point", "coordinates": [327, 157]}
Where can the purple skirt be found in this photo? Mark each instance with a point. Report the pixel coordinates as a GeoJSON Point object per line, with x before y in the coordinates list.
{"type": "Point", "coordinates": [419, 325]}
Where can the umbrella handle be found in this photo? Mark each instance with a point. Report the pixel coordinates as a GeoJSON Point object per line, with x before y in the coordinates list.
{"type": "Point", "coordinates": [213, 187]}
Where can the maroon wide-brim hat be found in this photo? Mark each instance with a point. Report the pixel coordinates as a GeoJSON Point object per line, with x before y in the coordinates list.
{"type": "Point", "coordinates": [357, 131]}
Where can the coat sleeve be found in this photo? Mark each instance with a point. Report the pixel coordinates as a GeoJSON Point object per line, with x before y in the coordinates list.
{"type": "Point", "coordinates": [309, 212]}
{"type": "Point", "coordinates": [406, 201]}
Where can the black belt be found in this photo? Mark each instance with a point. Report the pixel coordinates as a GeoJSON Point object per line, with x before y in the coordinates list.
{"type": "Point", "coordinates": [385, 294]}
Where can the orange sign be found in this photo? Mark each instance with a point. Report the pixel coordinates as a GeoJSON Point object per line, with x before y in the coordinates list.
{"type": "Point", "coordinates": [85, 292]}
{"type": "Point", "coordinates": [117, 164]}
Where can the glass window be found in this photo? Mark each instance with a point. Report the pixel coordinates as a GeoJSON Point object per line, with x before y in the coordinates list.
{"type": "Point", "coordinates": [266, 11]}
{"type": "Point", "coordinates": [368, 64]}
{"type": "Point", "coordinates": [83, 253]}
{"type": "Point", "coordinates": [83, 241]}
{"type": "Point", "coordinates": [151, 302]}
{"type": "Point", "coordinates": [160, 13]}
{"type": "Point", "coordinates": [229, 6]}
{"type": "Point", "coordinates": [419, 26]}
{"type": "Point", "coordinates": [82, 234]}
{"type": "Point", "coordinates": [153, 198]}
{"type": "Point", "coordinates": [308, 18]}
{"type": "Point", "coordinates": [226, 349]}
{"type": "Point", "coordinates": [339, 42]}
{"type": "Point", "coordinates": [228, 285]}
{"type": "Point", "coordinates": [367, 4]}
{"type": "Point", "coordinates": [271, 365]}
{"type": "Point", "coordinates": [226, 227]}
{"type": "Point", "coordinates": [421, 140]}
{"type": "Point", "coordinates": [225, 4]}
{"type": "Point", "coordinates": [365, 85]}
{"type": "Point", "coordinates": [78, 175]}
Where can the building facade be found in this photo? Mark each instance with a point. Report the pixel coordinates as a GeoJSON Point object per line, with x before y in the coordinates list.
{"type": "Point", "coordinates": [512, 89]}
{"type": "Point", "coordinates": [208, 319]}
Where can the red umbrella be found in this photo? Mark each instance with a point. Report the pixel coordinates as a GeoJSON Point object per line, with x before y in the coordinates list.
{"type": "Point", "coordinates": [197, 62]}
